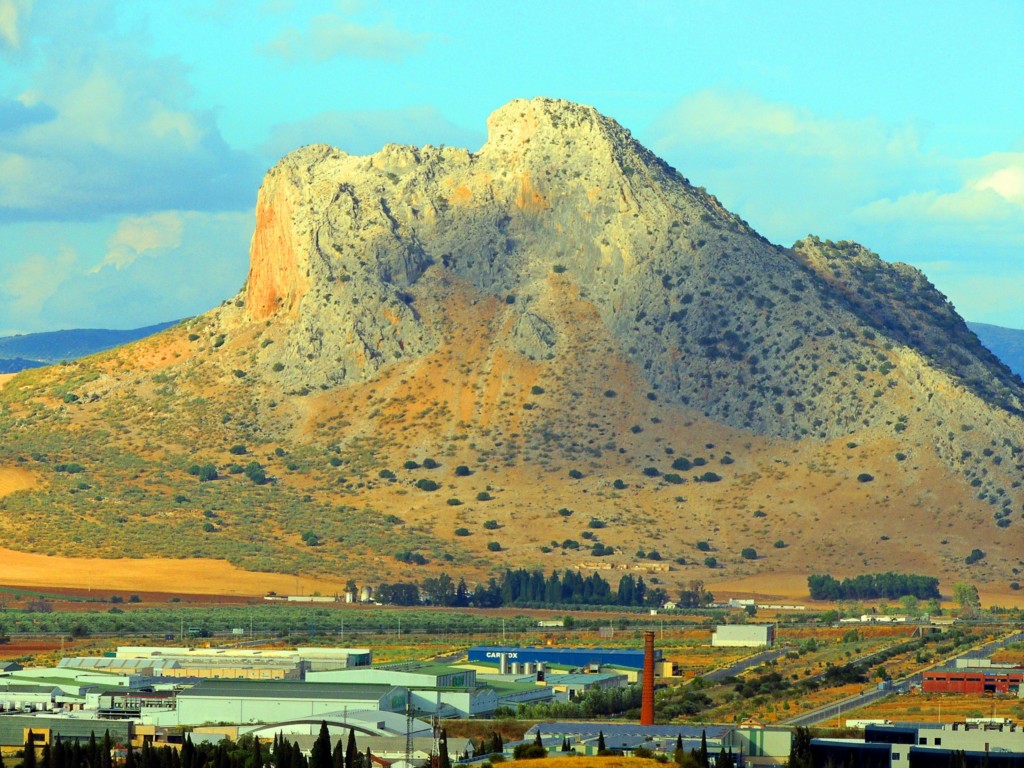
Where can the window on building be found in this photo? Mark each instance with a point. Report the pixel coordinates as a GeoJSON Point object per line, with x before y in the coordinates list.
{"type": "Point", "coordinates": [938, 741]}
{"type": "Point", "coordinates": [922, 740]}
{"type": "Point", "coordinates": [895, 756]}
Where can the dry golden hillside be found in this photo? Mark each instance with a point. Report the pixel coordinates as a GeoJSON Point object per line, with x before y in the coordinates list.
{"type": "Point", "coordinates": [454, 362]}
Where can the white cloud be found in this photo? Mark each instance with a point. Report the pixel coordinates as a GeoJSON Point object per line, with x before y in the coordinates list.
{"type": "Point", "coordinates": [1007, 182]}
{"type": "Point", "coordinates": [102, 127]}
{"type": "Point", "coordinates": [991, 190]}
{"type": "Point", "coordinates": [12, 14]}
{"type": "Point", "coordinates": [121, 273]}
{"type": "Point", "coordinates": [136, 235]}
{"type": "Point", "coordinates": [328, 36]}
{"type": "Point", "coordinates": [28, 284]}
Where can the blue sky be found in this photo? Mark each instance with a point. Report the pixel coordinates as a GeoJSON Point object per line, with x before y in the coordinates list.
{"type": "Point", "coordinates": [134, 134]}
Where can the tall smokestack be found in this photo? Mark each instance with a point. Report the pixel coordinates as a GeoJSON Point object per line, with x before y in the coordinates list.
{"type": "Point", "coordinates": [647, 694]}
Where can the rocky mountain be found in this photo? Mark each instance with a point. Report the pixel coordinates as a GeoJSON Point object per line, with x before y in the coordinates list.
{"type": "Point", "coordinates": [1006, 343]}
{"type": "Point", "coordinates": [471, 359]}
{"type": "Point", "coordinates": [33, 350]}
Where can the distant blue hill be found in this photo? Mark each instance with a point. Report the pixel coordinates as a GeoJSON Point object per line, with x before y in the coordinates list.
{"type": "Point", "coordinates": [32, 350]}
{"type": "Point", "coordinates": [1005, 343]}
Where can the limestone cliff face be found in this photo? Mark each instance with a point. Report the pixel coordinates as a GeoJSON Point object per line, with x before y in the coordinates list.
{"type": "Point", "coordinates": [760, 337]}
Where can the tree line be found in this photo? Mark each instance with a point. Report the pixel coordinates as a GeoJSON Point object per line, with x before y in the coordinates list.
{"type": "Point", "coordinates": [523, 588]}
{"type": "Point", "coordinates": [873, 585]}
{"type": "Point", "coordinates": [247, 752]}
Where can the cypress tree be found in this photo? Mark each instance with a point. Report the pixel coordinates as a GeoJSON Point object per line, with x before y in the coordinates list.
{"type": "Point", "coordinates": [703, 756]}
{"type": "Point", "coordinates": [320, 755]}
{"type": "Point", "coordinates": [257, 753]}
{"type": "Point", "coordinates": [537, 741]}
{"type": "Point", "coordinates": [28, 759]}
{"type": "Point", "coordinates": [443, 760]}
{"type": "Point", "coordinates": [338, 756]}
{"type": "Point", "coordinates": [600, 742]}
{"type": "Point", "coordinates": [351, 750]}
{"type": "Point", "coordinates": [92, 754]}
{"type": "Point", "coordinates": [108, 746]}
{"type": "Point", "coordinates": [76, 754]}
{"type": "Point", "coordinates": [129, 756]}
{"type": "Point", "coordinates": [45, 761]}
{"type": "Point", "coordinates": [59, 758]}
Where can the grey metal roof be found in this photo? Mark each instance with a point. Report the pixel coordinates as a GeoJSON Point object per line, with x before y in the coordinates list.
{"type": "Point", "coordinates": [585, 731]}
{"type": "Point", "coordinates": [287, 689]}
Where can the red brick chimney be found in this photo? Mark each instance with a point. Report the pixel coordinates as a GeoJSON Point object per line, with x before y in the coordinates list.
{"type": "Point", "coordinates": [647, 693]}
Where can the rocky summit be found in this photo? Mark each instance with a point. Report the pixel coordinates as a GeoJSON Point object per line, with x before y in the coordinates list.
{"type": "Point", "coordinates": [572, 324]}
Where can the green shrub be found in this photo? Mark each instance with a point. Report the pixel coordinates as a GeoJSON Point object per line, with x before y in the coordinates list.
{"type": "Point", "coordinates": [484, 496]}
{"type": "Point", "coordinates": [256, 473]}
{"type": "Point", "coordinates": [749, 553]}
{"type": "Point", "coordinates": [386, 474]}
{"type": "Point", "coordinates": [575, 474]}
{"type": "Point", "coordinates": [711, 562]}
{"type": "Point", "coordinates": [596, 523]}
{"type": "Point", "coordinates": [277, 367]}
{"type": "Point", "coordinates": [779, 544]}
{"type": "Point", "coordinates": [430, 464]}
{"type": "Point", "coordinates": [238, 450]}
{"type": "Point", "coordinates": [975, 556]}
{"type": "Point", "coordinates": [535, 390]}
{"type": "Point", "coordinates": [427, 485]}
{"type": "Point", "coordinates": [462, 532]}
{"type": "Point", "coordinates": [703, 546]}
{"type": "Point", "coordinates": [491, 525]}
{"type": "Point", "coordinates": [565, 512]}
{"type": "Point", "coordinates": [864, 477]}
{"type": "Point", "coordinates": [462, 471]}
{"type": "Point", "coordinates": [493, 546]}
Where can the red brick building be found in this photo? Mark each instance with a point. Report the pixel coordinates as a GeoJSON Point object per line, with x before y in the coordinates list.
{"type": "Point", "coordinates": [972, 681]}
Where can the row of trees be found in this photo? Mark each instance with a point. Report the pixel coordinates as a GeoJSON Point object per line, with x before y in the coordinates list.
{"type": "Point", "coordinates": [873, 585]}
{"type": "Point", "coordinates": [524, 588]}
{"type": "Point", "coordinates": [247, 752]}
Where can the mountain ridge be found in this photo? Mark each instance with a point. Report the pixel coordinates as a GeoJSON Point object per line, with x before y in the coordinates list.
{"type": "Point", "coordinates": [560, 321]}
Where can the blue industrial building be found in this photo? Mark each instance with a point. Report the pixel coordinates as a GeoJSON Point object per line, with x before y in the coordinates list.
{"type": "Point", "coordinates": [575, 658]}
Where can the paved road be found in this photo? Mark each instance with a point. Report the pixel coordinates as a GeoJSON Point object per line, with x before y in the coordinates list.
{"type": "Point", "coordinates": [742, 666]}
{"type": "Point", "coordinates": [903, 685]}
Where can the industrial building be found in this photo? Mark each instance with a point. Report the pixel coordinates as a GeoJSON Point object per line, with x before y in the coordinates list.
{"type": "Point", "coordinates": [46, 728]}
{"type": "Point", "coordinates": [966, 681]}
{"type": "Point", "coordinates": [743, 636]}
{"type": "Point", "coordinates": [248, 701]}
{"type": "Point", "coordinates": [755, 746]}
{"type": "Point", "coordinates": [992, 744]}
{"type": "Point", "coordinates": [444, 690]}
{"type": "Point", "coordinates": [241, 663]}
{"type": "Point", "coordinates": [571, 658]}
